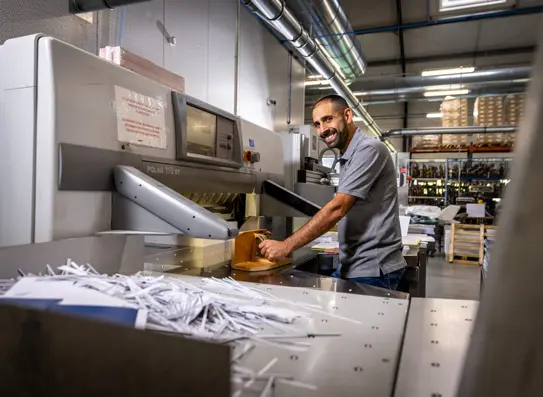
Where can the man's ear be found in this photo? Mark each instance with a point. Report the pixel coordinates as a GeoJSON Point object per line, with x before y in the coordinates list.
{"type": "Point", "coordinates": [348, 113]}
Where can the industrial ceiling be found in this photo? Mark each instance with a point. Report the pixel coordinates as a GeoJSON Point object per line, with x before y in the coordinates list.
{"type": "Point", "coordinates": [402, 38]}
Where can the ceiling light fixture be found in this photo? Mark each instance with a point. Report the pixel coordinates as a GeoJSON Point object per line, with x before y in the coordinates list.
{"type": "Point", "coordinates": [442, 72]}
{"type": "Point", "coordinates": [316, 82]}
{"type": "Point", "coordinates": [436, 115]}
{"type": "Point", "coordinates": [444, 87]}
{"type": "Point", "coordinates": [451, 5]}
{"type": "Point", "coordinates": [445, 93]}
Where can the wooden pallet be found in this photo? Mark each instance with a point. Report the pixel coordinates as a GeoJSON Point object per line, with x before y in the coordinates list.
{"type": "Point", "coordinates": [467, 244]}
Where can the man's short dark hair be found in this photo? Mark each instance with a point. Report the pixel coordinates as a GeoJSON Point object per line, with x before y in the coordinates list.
{"type": "Point", "coordinates": [338, 101]}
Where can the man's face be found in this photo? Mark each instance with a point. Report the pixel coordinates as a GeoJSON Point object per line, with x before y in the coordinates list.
{"type": "Point", "coordinates": [331, 124]}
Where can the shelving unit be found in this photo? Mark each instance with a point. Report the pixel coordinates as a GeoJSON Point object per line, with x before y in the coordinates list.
{"type": "Point", "coordinates": [476, 179]}
{"type": "Point", "coordinates": [427, 181]}
{"type": "Point", "coordinates": [443, 182]}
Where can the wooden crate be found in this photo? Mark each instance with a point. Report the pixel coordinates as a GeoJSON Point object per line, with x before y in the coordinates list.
{"type": "Point", "coordinates": [467, 244]}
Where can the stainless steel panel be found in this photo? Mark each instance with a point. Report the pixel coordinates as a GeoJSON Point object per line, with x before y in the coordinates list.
{"type": "Point", "coordinates": [170, 206]}
{"type": "Point", "coordinates": [214, 261]}
{"type": "Point", "coordinates": [107, 254]}
{"type": "Point", "coordinates": [435, 345]}
{"type": "Point", "coordinates": [361, 360]}
{"type": "Point", "coordinates": [86, 168]}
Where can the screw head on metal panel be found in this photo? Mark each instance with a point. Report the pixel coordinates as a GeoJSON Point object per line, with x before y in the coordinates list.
{"type": "Point", "coordinates": [436, 365]}
{"type": "Point", "coordinates": [358, 369]}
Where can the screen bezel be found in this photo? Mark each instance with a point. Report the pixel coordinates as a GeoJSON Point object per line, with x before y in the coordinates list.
{"type": "Point", "coordinates": [180, 102]}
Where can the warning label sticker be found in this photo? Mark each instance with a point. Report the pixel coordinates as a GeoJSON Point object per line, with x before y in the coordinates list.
{"type": "Point", "coordinates": [141, 120]}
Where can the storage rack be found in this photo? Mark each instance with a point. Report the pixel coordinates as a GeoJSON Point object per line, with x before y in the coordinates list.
{"type": "Point", "coordinates": [442, 181]}
{"type": "Point", "coordinates": [477, 179]}
{"type": "Point", "coordinates": [427, 182]}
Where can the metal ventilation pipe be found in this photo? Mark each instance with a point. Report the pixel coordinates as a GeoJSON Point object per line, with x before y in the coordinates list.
{"type": "Point", "coordinates": [448, 130]}
{"type": "Point", "coordinates": [79, 6]}
{"type": "Point", "coordinates": [276, 14]}
{"type": "Point", "coordinates": [329, 22]}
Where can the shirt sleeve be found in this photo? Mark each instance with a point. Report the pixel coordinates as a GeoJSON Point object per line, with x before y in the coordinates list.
{"type": "Point", "coordinates": [361, 171]}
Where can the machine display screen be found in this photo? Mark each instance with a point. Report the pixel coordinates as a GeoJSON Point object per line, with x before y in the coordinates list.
{"type": "Point", "coordinates": [201, 132]}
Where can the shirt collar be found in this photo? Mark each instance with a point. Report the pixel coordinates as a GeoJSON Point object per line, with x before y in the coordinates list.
{"type": "Point", "coordinates": [357, 137]}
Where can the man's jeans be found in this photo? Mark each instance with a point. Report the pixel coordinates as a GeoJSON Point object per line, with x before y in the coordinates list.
{"type": "Point", "coordinates": [388, 281]}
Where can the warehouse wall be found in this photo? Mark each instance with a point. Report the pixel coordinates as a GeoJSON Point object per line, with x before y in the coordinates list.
{"type": "Point", "coordinates": [51, 17]}
{"type": "Point", "coordinates": [204, 54]}
{"type": "Point", "coordinates": [206, 33]}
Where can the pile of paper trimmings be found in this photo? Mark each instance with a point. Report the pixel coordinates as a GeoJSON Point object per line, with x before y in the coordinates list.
{"type": "Point", "coordinates": [219, 310]}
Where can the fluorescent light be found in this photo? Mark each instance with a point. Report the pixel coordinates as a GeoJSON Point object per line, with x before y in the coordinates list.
{"type": "Point", "coordinates": [316, 82]}
{"type": "Point", "coordinates": [434, 115]}
{"type": "Point", "coordinates": [360, 93]}
{"type": "Point", "coordinates": [314, 77]}
{"type": "Point", "coordinates": [441, 72]}
{"type": "Point", "coordinates": [444, 87]}
{"type": "Point", "coordinates": [451, 5]}
{"type": "Point", "coordinates": [445, 93]}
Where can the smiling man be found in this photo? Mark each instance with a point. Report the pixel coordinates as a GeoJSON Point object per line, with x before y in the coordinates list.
{"type": "Point", "coordinates": [366, 203]}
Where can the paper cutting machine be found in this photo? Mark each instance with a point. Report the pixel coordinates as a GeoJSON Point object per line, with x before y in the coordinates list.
{"type": "Point", "coordinates": [91, 147]}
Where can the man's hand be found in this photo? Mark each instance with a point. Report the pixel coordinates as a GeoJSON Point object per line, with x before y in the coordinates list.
{"type": "Point", "coordinates": [273, 250]}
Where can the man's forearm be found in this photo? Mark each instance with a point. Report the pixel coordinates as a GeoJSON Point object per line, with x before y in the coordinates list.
{"type": "Point", "coordinates": [323, 221]}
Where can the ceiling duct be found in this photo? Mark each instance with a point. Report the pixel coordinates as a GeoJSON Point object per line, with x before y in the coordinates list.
{"type": "Point", "coordinates": [448, 131]}
{"type": "Point", "coordinates": [79, 6]}
{"type": "Point", "coordinates": [277, 15]}
{"type": "Point", "coordinates": [327, 21]}
{"type": "Point", "coordinates": [374, 86]}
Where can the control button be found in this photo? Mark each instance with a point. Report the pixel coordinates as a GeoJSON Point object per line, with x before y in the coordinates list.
{"type": "Point", "coordinates": [256, 157]}
{"type": "Point", "coordinates": [229, 147]}
{"type": "Point", "coordinates": [248, 156]}
{"type": "Point", "coordinates": [229, 137]}
{"type": "Point", "coordinates": [223, 145]}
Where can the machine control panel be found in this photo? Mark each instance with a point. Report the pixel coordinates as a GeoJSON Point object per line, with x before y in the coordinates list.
{"type": "Point", "coordinates": [251, 157]}
{"type": "Point", "coordinates": [206, 134]}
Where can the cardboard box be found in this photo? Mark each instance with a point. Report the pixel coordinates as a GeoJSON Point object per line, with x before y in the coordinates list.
{"type": "Point", "coordinates": [143, 67]}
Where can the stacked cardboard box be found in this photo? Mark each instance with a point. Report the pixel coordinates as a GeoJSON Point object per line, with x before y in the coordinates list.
{"type": "Point", "coordinates": [142, 66]}
{"type": "Point", "coordinates": [483, 140]}
{"type": "Point", "coordinates": [514, 108]}
{"type": "Point", "coordinates": [489, 111]}
{"type": "Point", "coordinates": [426, 141]}
{"type": "Point", "coordinates": [453, 141]}
{"type": "Point", "coordinates": [454, 112]}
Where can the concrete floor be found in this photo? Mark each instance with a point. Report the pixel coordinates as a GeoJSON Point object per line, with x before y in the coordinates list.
{"type": "Point", "coordinates": [451, 281]}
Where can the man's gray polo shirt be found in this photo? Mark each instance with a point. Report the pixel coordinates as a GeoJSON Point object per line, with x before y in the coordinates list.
{"type": "Point", "coordinates": [370, 238]}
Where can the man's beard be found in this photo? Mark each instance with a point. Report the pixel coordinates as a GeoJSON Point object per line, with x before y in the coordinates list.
{"type": "Point", "coordinates": [333, 138]}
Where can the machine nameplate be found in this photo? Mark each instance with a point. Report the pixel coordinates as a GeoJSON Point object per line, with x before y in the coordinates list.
{"type": "Point", "coordinates": [196, 179]}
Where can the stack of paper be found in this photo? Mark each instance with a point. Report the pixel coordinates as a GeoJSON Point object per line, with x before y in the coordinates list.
{"type": "Point", "coordinates": [64, 297]}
